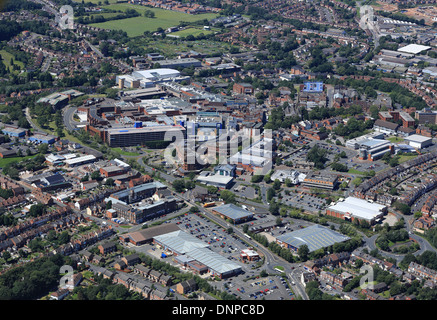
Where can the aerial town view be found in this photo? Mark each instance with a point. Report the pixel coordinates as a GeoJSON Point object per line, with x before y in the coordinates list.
{"type": "Point", "coordinates": [218, 150]}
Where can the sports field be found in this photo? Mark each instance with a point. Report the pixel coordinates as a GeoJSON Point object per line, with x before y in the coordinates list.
{"type": "Point", "coordinates": [136, 26]}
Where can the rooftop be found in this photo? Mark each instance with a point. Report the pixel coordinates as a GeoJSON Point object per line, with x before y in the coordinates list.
{"type": "Point", "coordinates": [360, 208]}
{"type": "Point", "coordinates": [232, 211]}
{"type": "Point", "coordinates": [315, 237]}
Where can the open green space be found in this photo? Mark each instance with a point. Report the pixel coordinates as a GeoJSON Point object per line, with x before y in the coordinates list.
{"type": "Point", "coordinates": [171, 46]}
{"type": "Point", "coordinates": [98, 2]}
{"type": "Point", "coordinates": [125, 153]}
{"type": "Point", "coordinates": [403, 158]}
{"type": "Point", "coordinates": [395, 139]}
{"type": "Point", "coordinates": [6, 57]}
{"type": "Point", "coordinates": [5, 161]}
{"type": "Point", "coordinates": [191, 31]}
{"type": "Point", "coordinates": [355, 171]}
{"type": "Point", "coordinates": [136, 26]}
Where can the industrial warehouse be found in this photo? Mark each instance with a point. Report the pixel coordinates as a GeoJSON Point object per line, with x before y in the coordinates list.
{"type": "Point", "coordinates": [354, 208]}
{"type": "Point", "coordinates": [233, 212]}
{"type": "Point", "coordinates": [315, 237]}
{"type": "Point", "coordinates": [190, 250]}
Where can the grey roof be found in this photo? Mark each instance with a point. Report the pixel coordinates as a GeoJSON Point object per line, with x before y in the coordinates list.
{"type": "Point", "coordinates": [232, 211]}
{"type": "Point", "coordinates": [315, 237]}
{"type": "Point", "coordinates": [386, 124]}
{"type": "Point", "coordinates": [180, 241]}
{"type": "Point", "coordinates": [213, 260]}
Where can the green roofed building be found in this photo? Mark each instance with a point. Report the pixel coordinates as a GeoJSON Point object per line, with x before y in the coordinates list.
{"type": "Point", "coordinates": [315, 237]}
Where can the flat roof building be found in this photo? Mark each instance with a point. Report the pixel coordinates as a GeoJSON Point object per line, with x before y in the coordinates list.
{"type": "Point", "coordinates": [143, 236]}
{"type": "Point", "coordinates": [78, 161]}
{"type": "Point", "coordinates": [182, 243]}
{"type": "Point", "coordinates": [14, 132]}
{"type": "Point", "coordinates": [127, 137]}
{"type": "Point", "coordinates": [319, 180]}
{"type": "Point", "coordinates": [414, 48]}
{"type": "Point", "coordinates": [315, 237]}
{"type": "Point", "coordinates": [418, 141]}
{"type": "Point", "coordinates": [42, 138]}
{"type": "Point", "coordinates": [233, 212]}
{"type": "Point", "coordinates": [216, 180]}
{"type": "Point", "coordinates": [354, 208]}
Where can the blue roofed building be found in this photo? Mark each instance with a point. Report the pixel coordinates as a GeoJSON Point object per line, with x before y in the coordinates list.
{"type": "Point", "coordinates": [313, 87]}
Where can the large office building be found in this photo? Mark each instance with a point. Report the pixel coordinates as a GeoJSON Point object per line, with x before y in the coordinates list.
{"type": "Point", "coordinates": [354, 208]}
{"type": "Point", "coordinates": [374, 149]}
{"type": "Point", "coordinates": [144, 210]}
{"type": "Point", "coordinates": [315, 237]}
{"type": "Point", "coordinates": [318, 180]}
{"type": "Point", "coordinates": [137, 136]}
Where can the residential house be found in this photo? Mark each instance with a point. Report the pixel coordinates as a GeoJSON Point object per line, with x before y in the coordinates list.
{"type": "Point", "coordinates": [107, 248]}
{"type": "Point", "coordinates": [186, 286]}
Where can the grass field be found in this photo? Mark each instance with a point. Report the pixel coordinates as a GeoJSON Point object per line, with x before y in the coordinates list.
{"type": "Point", "coordinates": [138, 25]}
{"type": "Point", "coordinates": [6, 57]}
{"type": "Point", "coordinates": [395, 139]}
{"type": "Point", "coordinates": [403, 158]}
{"type": "Point", "coordinates": [191, 31]}
{"type": "Point", "coordinates": [5, 161]}
{"type": "Point", "coordinates": [355, 171]}
{"type": "Point", "coordinates": [97, 1]}
{"type": "Point", "coordinates": [125, 153]}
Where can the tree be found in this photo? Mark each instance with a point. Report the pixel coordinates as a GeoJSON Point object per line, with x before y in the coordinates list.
{"type": "Point", "coordinates": [37, 210]}
{"type": "Point", "coordinates": [43, 148]}
{"type": "Point", "coordinates": [276, 185]}
{"type": "Point", "coordinates": [179, 185]}
{"type": "Point", "coordinates": [317, 155]}
{"type": "Point", "coordinates": [228, 196]}
{"type": "Point", "coordinates": [109, 182]}
{"type": "Point", "coordinates": [194, 209]}
{"type": "Point", "coordinates": [270, 194]}
{"type": "Point", "coordinates": [96, 175]}
{"type": "Point", "coordinates": [303, 252]}
{"type": "Point", "coordinates": [256, 178]}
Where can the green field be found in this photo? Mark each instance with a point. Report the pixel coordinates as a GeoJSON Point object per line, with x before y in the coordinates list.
{"type": "Point", "coordinates": [191, 31]}
{"type": "Point", "coordinates": [395, 139]}
{"type": "Point", "coordinates": [125, 153]}
{"type": "Point", "coordinates": [138, 25]}
{"type": "Point", "coordinates": [403, 158]}
{"type": "Point", "coordinates": [5, 161]}
{"type": "Point", "coordinates": [96, 1]}
{"type": "Point", "coordinates": [6, 57]}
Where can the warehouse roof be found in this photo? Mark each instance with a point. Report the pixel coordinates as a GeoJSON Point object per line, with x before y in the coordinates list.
{"type": "Point", "coordinates": [315, 237]}
{"type": "Point", "coordinates": [149, 233]}
{"type": "Point", "coordinates": [414, 48]}
{"type": "Point", "coordinates": [232, 211]}
{"type": "Point", "coordinates": [80, 159]}
{"type": "Point", "coordinates": [359, 208]}
{"type": "Point", "coordinates": [417, 138]}
{"type": "Point", "coordinates": [180, 241]}
{"type": "Point", "coordinates": [213, 260]}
